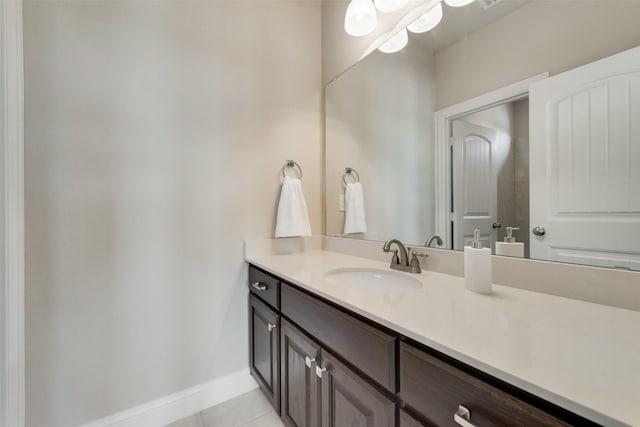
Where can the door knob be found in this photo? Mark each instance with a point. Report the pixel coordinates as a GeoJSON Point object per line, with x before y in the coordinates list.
{"type": "Point", "coordinates": [271, 327]}
{"type": "Point", "coordinates": [496, 225]}
{"type": "Point", "coordinates": [539, 231]}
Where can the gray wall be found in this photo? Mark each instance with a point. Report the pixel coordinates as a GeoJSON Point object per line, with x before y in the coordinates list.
{"type": "Point", "coordinates": [534, 39]}
{"type": "Point", "coordinates": [155, 134]}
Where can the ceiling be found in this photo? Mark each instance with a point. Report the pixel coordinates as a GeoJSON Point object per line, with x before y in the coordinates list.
{"type": "Point", "coordinates": [458, 22]}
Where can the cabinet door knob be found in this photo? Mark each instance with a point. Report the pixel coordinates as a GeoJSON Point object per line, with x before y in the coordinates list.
{"type": "Point", "coordinates": [257, 286]}
{"type": "Point", "coordinates": [463, 417]}
{"type": "Point", "coordinates": [271, 327]}
{"type": "Point", "coordinates": [309, 361]}
{"type": "Point", "coordinates": [319, 371]}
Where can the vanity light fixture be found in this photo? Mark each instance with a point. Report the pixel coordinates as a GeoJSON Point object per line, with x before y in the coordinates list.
{"type": "Point", "coordinates": [390, 5]}
{"type": "Point", "coordinates": [361, 18]}
{"type": "Point", "coordinates": [395, 43]}
{"type": "Point", "coordinates": [458, 3]}
{"type": "Point", "coordinates": [428, 21]}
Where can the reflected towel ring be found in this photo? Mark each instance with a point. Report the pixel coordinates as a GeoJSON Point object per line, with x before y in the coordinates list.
{"type": "Point", "coordinates": [291, 164]}
{"type": "Point", "coordinates": [350, 171]}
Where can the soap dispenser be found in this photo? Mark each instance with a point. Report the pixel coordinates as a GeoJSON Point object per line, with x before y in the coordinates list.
{"type": "Point", "coordinates": [477, 266]}
{"type": "Point", "coordinates": [510, 247]}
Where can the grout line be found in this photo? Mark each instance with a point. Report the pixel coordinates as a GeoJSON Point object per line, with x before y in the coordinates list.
{"type": "Point", "coordinates": [254, 419]}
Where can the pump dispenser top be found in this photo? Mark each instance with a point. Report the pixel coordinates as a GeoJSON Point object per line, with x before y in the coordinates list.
{"type": "Point", "coordinates": [477, 244]}
{"type": "Point", "coordinates": [509, 237]}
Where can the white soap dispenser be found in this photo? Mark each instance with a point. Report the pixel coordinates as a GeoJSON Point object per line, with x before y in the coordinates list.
{"type": "Point", "coordinates": [510, 247]}
{"type": "Point", "coordinates": [477, 266]}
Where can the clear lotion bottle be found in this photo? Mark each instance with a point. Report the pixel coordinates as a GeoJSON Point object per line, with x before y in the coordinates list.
{"type": "Point", "coordinates": [477, 266]}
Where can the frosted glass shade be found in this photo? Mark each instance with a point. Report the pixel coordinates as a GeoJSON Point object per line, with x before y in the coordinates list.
{"type": "Point", "coordinates": [428, 21]}
{"type": "Point", "coordinates": [458, 3]}
{"type": "Point", "coordinates": [361, 18]}
{"type": "Point", "coordinates": [395, 43]}
{"type": "Point", "coordinates": [390, 5]}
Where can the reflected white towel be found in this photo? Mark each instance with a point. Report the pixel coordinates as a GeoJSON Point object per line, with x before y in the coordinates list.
{"type": "Point", "coordinates": [354, 219]}
{"type": "Point", "coordinates": [292, 218]}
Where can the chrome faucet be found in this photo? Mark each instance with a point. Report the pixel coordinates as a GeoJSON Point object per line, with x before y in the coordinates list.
{"type": "Point", "coordinates": [435, 237]}
{"type": "Point", "coordinates": [402, 263]}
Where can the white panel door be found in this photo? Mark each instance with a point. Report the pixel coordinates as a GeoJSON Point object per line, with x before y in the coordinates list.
{"type": "Point", "coordinates": [585, 164]}
{"type": "Point", "coordinates": [474, 184]}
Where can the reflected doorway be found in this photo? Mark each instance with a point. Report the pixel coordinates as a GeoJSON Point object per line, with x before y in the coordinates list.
{"type": "Point", "coordinates": [489, 160]}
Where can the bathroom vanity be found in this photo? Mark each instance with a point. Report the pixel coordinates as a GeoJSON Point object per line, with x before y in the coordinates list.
{"type": "Point", "coordinates": [327, 354]}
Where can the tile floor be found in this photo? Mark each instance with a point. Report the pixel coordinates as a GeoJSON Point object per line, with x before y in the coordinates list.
{"type": "Point", "coordinates": [248, 410]}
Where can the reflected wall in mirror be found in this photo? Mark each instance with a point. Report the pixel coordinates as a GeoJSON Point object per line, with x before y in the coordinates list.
{"type": "Point", "coordinates": [380, 121]}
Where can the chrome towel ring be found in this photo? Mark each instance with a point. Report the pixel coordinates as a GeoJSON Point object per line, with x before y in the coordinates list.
{"type": "Point", "coordinates": [291, 164]}
{"type": "Point", "coordinates": [350, 171]}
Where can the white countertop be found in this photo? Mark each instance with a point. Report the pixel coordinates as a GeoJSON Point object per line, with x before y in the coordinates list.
{"type": "Point", "coordinates": [582, 356]}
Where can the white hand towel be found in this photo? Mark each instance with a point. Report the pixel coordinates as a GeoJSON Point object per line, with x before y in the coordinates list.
{"type": "Point", "coordinates": [354, 219]}
{"type": "Point", "coordinates": [292, 218]}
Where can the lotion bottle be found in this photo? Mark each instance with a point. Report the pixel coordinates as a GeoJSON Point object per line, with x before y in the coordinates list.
{"type": "Point", "coordinates": [477, 266]}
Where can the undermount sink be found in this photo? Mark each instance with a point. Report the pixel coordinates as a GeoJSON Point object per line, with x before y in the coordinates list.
{"type": "Point", "coordinates": [373, 279]}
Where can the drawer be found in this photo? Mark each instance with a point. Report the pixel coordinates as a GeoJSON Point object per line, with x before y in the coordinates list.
{"type": "Point", "coordinates": [369, 349]}
{"type": "Point", "coordinates": [436, 389]}
{"type": "Point", "coordinates": [264, 285]}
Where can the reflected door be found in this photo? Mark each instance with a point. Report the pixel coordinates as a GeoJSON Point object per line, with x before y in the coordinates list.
{"type": "Point", "coordinates": [585, 164]}
{"type": "Point", "coordinates": [474, 184]}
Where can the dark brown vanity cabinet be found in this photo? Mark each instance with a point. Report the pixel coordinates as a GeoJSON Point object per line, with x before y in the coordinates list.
{"type": "Point", "coordinates": [407, 420]}
{"type": "Point", "coordinates": [300, 393]}
{"type": "Point", "coordinates": [324, 366]}
{"type": "Point", "coordinates": [320, 391]}
{"type": "Point", "coordinates": [264, 349]}
{"type": "Point", "coordinates": [441, 392]}
{"type": "Point", "coordinates": [347, 399]}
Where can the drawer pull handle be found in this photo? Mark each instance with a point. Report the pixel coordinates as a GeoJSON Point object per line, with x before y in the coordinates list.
{"type": "Point", "coordinates": [271, 327]}
{"type": "Point", "coordinates": [257, 286]}
{"type": "Point", "coordinates": [319, 371]}
{"type": "Point", "coordinates": [463, 417]}
{"type": "Point", "coordinates": [309, 361]}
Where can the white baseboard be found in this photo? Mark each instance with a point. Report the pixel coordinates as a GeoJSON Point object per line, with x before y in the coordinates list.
{"type": "Point", "coordinates": [163, 411]}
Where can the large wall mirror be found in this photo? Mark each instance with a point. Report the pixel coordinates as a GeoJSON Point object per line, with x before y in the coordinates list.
{"type": "Point", "coordinates": [513, 117]}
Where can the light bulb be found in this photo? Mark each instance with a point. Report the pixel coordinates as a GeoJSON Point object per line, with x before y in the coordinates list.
{"type": "Point", "coordinates": [458, 3]}
{"type": "Point", "coordinates": [390, 5]}
{"type": "Point", "coordinates": [428, 21]}
{"type": "Point", "coordinates": [361, 18]}
{"type": "Point", "coordinates": [395, 43]}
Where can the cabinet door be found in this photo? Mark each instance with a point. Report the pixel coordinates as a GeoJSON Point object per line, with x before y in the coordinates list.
{"type": "Point", "coordinates": [264, 349]}
{"type": "Point", "coordinates": [348, 400]}
{"type": "Point", "coordinates": [299, 382]}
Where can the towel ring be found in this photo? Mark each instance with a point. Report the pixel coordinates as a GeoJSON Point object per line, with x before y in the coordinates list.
{"type": "Point", "coordinates": [291, 164]}
{"type": "Point", "coordinates": [350, 171]}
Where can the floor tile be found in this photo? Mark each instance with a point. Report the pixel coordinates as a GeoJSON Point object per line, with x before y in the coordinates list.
{"type": "Point", "coordinates": [194, 420]}
{"type": "Point", "coordinates": [270, 419]}
{"type": "Point", "coordinates": [237, 411]}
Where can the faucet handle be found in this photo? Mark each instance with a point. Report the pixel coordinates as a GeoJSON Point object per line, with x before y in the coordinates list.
{"type": "Point", "coordinates": [415, 253]}
{"type": "Point", "coordinates": [394, 258]}
{"type": "Point", "coordinates": [415, 263]}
